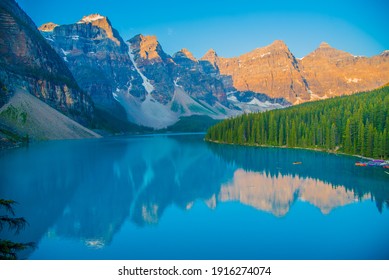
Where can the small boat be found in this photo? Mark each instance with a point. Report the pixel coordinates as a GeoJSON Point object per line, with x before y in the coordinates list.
{"type": "Point", "coordinates": [386, 166]}
{"type": "Point", "coordinates": [360, 163]}
{"type": "Point", "coordinates": [297, 162]}
{"type": "Point", "coordinates": [376, 162]}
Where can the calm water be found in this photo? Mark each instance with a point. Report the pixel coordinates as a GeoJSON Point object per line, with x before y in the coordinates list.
{"type": "Point", "coordinates": [177, 197]}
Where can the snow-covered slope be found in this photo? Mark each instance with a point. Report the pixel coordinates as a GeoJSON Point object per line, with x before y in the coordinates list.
{"type": "Point", "coordinates": [146, 83]}
{"type": "Point", "coordinates": [249, 102]}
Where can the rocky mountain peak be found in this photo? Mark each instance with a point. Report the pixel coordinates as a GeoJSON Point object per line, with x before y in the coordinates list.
{"type": "Point", "coordinates": [188, 54]}
{"type": "Point", "coordinates": [325, 51]}
{"type": "Point", "coordinates": [324, 45]}
{"type": "Point", "coordinates": [91, 18]}
{"type": "Point", "coordinates": [104, 23]}
{"type": "Point", "coordinates": [332, 72]}
{"type": "Point", "coordinates": [279, 44]}
{"type": "Point", "coordinates": [272, 69]}
{"type": "Point", "coordinates": [47, 27]}
{"type": "Point", "coordinates": [148, 47]}
{"type": "Point", "coordinates": [212, 57]}
{"type": "Point", "coordinates": [275, 48]}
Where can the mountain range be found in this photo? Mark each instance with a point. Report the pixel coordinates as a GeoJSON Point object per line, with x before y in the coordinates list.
{"type": "Point", "coordinates": [91, 75]}
{"type": "Point", "coordinates": [326, 72]}
{"type": "Point", "coordinates": [154, 88]}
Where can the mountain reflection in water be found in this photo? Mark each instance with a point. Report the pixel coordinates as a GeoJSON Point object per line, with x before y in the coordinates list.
{"type": "Point", "coordinates": [89, 190]}
{"type": "Point", "coordinates": [276, 194]}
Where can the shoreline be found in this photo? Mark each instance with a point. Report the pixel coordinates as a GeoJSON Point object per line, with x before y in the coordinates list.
{"type": "Point", "coordinates": [15, 145]}
{"type": "Point", "coordinates": [285, 147]}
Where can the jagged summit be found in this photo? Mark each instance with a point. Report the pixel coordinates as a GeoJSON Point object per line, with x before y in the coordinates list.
{"type": "Point", "coordinates": [104, 23]}
{"type": "Point", "coordinates": [275, 47]}
{"type": "Point", "coordinates": [147, 46]}
{"type": "Point", "coordinates": [91, 18]}
{"type": "Point", "coordinates": [211, 53]}
{"type": "Point", "coordinates": [141, 37]}
{"type": "Point", "coordinates": [47, 27]}
{"type": "Point", "coordinates": [188, 54]}
{"type": "Point", "coordinates": [185, 53]}
{"type": "Point", "coordinates": [278, 44]}
{"type": "Point", "coordinates": [212, 57]}
{"type": "Point", "coordinates": [326, 51]}
{"type": "Point", "coordinates": [324, 45]}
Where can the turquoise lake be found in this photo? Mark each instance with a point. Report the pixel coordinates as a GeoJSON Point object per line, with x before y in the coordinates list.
{"type": "Point", "coordinates": [178, 197]}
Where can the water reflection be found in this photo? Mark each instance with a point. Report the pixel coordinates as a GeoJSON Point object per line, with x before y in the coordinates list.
{"type": "Point", "coordinates": [276, 194]}
{"type": "Point", "coordinates": [65, 189]}
{"type": "Point", "coordinates": [86, 190]}
{"type": "Point", "coordinates": [336, 171]}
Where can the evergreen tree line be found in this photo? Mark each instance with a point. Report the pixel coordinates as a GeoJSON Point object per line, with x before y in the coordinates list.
{"type": "Point", "coordinates": [356, 124]}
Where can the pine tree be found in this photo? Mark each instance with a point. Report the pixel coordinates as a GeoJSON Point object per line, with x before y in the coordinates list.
{"type": "Point", "coordinates": [357, 124]}
{"type": "Point", "coordinates": [9, 249]}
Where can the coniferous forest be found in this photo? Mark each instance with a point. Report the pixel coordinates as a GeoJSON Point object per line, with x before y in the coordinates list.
{"type": "Point", "coordinates": [356, 124]}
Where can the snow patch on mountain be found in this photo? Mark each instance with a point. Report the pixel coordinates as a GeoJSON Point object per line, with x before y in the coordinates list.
{"type": "Point", "coordinates": [153, 114]}
{"type": "Point", "coordinates": [146, 82]}
{"type": "Point", "coordinates": [91, 18]}
{"type": "Point", "coordinates": [65, 52]}
{"type": "Point", "coordinates": [253, 105]}
{"type": "Point", "coordinates": [353, 80]}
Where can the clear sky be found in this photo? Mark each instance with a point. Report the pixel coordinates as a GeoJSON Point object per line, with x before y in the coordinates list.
{"type": "Point", "coordinates": [234, 27]}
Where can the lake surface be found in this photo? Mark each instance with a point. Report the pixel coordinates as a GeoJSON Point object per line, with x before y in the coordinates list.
{"type": "Point", "coordinates": [178, 197]}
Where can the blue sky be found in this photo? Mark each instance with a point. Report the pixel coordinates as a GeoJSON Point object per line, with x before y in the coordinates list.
{"type": "Point", "coordinates": [234, 27]}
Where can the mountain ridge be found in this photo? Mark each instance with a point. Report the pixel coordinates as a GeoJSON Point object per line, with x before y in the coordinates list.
{"type": "Point", "coordinates": [275, 71]}
{"type": "Point", "coordinates": [153, 88]}
{"type": "Point", "coordinates": [272, 70]}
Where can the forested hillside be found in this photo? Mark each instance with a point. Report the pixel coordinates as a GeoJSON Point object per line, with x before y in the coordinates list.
{"type": "Point", "coordinates": [357, 124]}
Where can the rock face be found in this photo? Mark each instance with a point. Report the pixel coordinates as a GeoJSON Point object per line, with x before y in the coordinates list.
{"type": "Point", "coordinates": [272, 70]}
{"type": "Point", "coordinates": [154, 88]}
{"type": "Point", "coordinates": [28, 62]}
{"type": "Point", "coordinates": [326, 72]}
{"type": "Point", "coordinates": [166, 73]}
{"type": "Point", "coordinates": [103, 23]}
{"type": "Point", "coordinates": [154, 64]}
{"type": "Point", "coordinates": [331, 72]}
{"type": "Point", "coordinates": [98, 58]}
{"type": "Point", "coordinates": [48, 27]}
{"type": "Point", "coordinates": [197, 80]}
